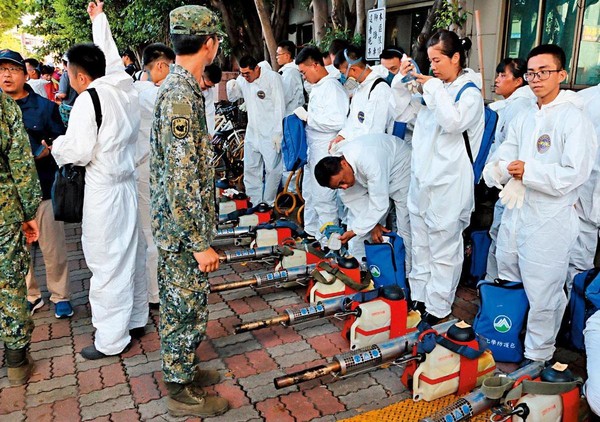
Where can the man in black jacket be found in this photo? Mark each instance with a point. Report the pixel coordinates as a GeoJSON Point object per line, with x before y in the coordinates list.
{"type": "Point", "coordinates": [43, 124]}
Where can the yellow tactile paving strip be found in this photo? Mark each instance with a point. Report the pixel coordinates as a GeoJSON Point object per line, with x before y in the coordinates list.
{"type": "Point", "coordinates": [409, 411]}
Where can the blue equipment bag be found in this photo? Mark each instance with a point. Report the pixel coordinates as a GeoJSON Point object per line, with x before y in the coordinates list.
{"type": "Point", "coordinates": [386, 262]}
{"type": "Point", "coordinates": [584, 301]}
{"type": "Point", "coordinates": [489, 133]}
{"type": "Point", "coordinates": [399, 130]}
{"type": "Point", "coordinates": [501, 317]}
{"type": "Point", "coordinates": [293, 146]}
{"type": "Point", "coordinates": [480, 247]}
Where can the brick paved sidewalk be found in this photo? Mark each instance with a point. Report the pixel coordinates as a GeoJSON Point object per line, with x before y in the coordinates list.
{"type": "Point", "coordinates": [66, 387]}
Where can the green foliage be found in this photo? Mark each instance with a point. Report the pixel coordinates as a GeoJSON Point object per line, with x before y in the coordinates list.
{"type": "Point", "coordinates": [305, 4]}
{"type": "Point", "coordinates": [450, 14]}
{"type": "Point", "coordinates": [334, 34]}
{"type": "Point", "coordinates": [10, 14]}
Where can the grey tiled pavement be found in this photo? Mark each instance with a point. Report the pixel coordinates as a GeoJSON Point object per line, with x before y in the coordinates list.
{"type": "Point", "coordinates": [65, 387]}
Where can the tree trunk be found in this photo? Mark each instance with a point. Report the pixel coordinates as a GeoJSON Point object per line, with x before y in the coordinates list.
{"type": "Point", "coordinates": [419, 53]}
{"type": "Point", "coordinates": [461, 31]}
{"type": "Point", "coordinates": [337, 14]}
{"type": "Point", "coordinates": [280, 19]}
{"type": "Point", "coordinates": [267, 31]}
{"type": "Point", "coordinates": [320, 12]}
{"type": "Point", "coordinates": [350, 13]}
{"type": "Point", "coordinates": [360, 17]}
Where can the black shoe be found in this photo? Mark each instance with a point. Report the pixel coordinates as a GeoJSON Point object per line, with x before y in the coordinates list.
{"type": "Point", "coordinates": [137, 333]}
{"type": "Point", "coordinates": [155, 306]}
{"type": "Point", "coordinates": [91, 353]}
{"type": "Point", "coordinates": [430, 319]}
{"type": "Point", "coordinates": [418, 306]}
{"type": "Point", "coordinates": [528, 361]}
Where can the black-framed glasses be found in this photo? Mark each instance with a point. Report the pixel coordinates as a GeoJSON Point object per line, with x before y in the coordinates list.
{"type": "Point", "coordinates": [542, 75]}
{"type": "Point", "coordinates": [11, 69]}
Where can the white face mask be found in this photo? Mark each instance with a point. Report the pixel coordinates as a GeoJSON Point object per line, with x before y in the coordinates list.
{"type": "Point", "coordinates": [351, 84]}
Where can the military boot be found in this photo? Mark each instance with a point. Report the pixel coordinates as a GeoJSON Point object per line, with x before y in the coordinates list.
{"type": "Point", "coordinates": [189, 400]}
{"type": "Point", "coordinates": [19, 365]}
{"type": "Point", "coordinates": [205, 377]}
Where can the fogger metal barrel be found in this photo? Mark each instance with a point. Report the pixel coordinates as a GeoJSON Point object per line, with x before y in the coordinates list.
{"type": "Point", "coordinates": [476, 402]}
{"type": "Point", "coordinates": [361, 359]}
{"type": "Point", "coordinates": [274, 278]}
{"type": "Point", "coordinates": [297, 315]}
{"type": "Point", "coordinates": [248, 254]}
{"type": "Point", "coordinates": [232, 232]}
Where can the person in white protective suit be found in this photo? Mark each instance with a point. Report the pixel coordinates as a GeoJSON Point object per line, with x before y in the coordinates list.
{"type": "Point", "coordinates": [156, 60]}
{"type": "Point", "coordinates": [440, 199]}
{"type": "Point", "coordinates": [109, 228]}
{"type": "Point", "coordinates": [327, 110]}
{"type": "Point", "coordinates": [210, 80]}
{"type": "Point", "coordinates": [547, 155]}
{"type": "Point", "coordinates": [592, 350]}
{"type": "Point", "coordinates": [518, 97]}
{"type": "Point", "coordinates": [370, 172]}
{"type": "Point", "coordinates": [293, 90]}
{"type": "Point", "coordinates": [370, 106]}
{"type": "Point", "coordinates": [588, 204]}
{"type": "Point", "coordinates": [262, 91]}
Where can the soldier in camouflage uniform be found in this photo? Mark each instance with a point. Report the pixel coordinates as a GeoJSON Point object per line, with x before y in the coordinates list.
{"type": "Point", "coordinates": [183, 214]}
{"type": "Point", "coordinates": [20, 196]}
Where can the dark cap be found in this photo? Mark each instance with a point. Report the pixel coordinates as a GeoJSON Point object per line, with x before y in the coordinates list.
{"type": "Point", "coordinates": [194, 20]}
{"type": "Point", "coordinates": [12, 56]}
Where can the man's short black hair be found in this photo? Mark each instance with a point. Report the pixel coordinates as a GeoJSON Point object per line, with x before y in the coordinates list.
{"type": "Point", "coordinates": [157, 51]}
{"type": "Point", "coordinates": [337, 45]}
{"type": "Point", "coordinates": [392, 52]}
{"type": "Point", "coordinates": [214, 73]}
{"type": "Point", "coordinates": [326, 169]}
{"type": "Point", "coordinates": [310, 53]}
{"type": "Point", "coordinates": [46, 70]}
{"type": "Point", "coordinates": [553, 50]}
{"type": "Point", "coordinates": [32, 62]}
{"type": "Point", "coordinates": [248, 62]}
{"type": "Point", "coordinates": [87, 58]}
{"type": "Point", "coordinates": [129, 53]}
{"type": "Point", "coordinates": [353, 53]}
{"type": "Point", "coordinates": [188, 44]}
{"type": "Point", "coordinates": [289, 46]}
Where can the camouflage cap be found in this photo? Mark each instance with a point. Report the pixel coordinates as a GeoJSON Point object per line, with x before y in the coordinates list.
{"type": "Point", "coordinates": [193, 20]}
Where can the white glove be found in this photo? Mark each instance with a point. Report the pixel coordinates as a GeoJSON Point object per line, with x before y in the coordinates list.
{"type": "Point", "coordinates": [492, 175]}
{"type": "Point", "coordinates": [243, 107]}
{"type": "Point", "coordinates": [277, 143]}
{"type": "Point", "coordinates": [301, 113]}
{"type": "Point", "coordinates": [513, 194]}
{"type": "Point", "coordinates": [334, 243]}
{"type": "Point", "coordinates": [231, 85]}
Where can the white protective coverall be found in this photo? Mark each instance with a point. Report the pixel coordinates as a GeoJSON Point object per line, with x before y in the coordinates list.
{"type": "Point", "coordinates": [588, 205]}
{"type": "Point", "coordinates": [520, 100]}
{"type": "Point", "coordinates": [557, 143]}
{"type": "Point", "coordinates": [327, 110]}
{"type": "Point", "coordinates": [147, 254]}
{"type": "Point", "coordinates": [592, 350]}
{"type": "Point", "coordinates": [440, 199]}
{"type": "Point", "coordinates": [109, 229]}
{"type": "Point", "coordinates": [381, 165]}
{"type": "Point", "coordinates": [262, 146]}
{"type": "Point", "coordinates": [210, 97]}
{"type": "Point", "coordinates": [369, 110]}
{"type": "Point", "coordinates": [293, 88]}
{"type": "Point", "coordinates": [333, 71]}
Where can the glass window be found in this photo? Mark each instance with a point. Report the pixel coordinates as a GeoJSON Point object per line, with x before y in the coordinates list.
{"type": "Point", "coordinates": [522, 27]}
{"type": "Point", "coordinates": [560, 17]}
{"type": "Point", "coordinates": [588, 64]}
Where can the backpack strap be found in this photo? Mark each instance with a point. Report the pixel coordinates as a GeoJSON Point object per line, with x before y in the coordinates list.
{"type": "Point", "coordinates": [97, 107]}
{"type": "Point", "coordinates": [465, 134]}
{"type": "Point", "coordinates": [377, 82]}
{"type": "Point", "coordinates": [463, 349]}
{"type": "Point", "coordinates": [337, 273]}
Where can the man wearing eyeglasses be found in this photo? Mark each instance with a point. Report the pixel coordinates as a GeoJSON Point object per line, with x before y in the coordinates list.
{"type": "Point", "coordinates": [262, 91]}
{"type": "Point", "coordinates": [43, 124]}
{"type": "Point", "coordinates": [370, 110]}
{"type": "Point", "coordinates": [548, 154]}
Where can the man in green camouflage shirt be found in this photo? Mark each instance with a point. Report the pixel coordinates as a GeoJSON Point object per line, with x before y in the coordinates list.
{"type": "Point", "coordinates": [20, 196]}
{"type": "Point", "coordinates": [183, 214]}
